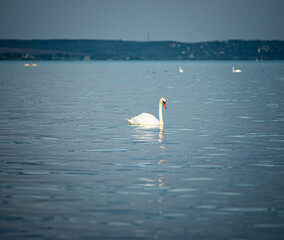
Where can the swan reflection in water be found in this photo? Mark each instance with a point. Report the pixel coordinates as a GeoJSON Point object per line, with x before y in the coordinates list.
{"type": "Point", "coordinates": [154, 135]}
{"type": "Point", "coordinates": [162, 135]}
{"type": "Point", "coordinates": [149, 134]}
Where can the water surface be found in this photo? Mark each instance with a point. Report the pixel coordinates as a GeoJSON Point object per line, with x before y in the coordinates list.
{"type": "Point", "coordinates": [72, 168]}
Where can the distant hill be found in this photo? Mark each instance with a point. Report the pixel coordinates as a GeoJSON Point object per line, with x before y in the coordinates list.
{"type": "Point", "coordinates": [133, 50]}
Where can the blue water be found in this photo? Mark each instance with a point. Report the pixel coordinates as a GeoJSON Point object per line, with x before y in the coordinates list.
{"type": "Point", "coordinates": [72, 168]}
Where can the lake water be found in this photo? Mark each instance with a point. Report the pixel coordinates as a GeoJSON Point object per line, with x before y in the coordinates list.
{"type": "Point", "coordinates": [71, 167]}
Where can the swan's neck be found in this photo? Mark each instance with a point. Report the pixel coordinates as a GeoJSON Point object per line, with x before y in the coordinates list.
{"type": "Point", "coordinates": [161, 121]}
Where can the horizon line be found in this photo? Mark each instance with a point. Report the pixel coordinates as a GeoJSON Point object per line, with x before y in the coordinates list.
{"type": "Point", "coordinates": [87, 39]}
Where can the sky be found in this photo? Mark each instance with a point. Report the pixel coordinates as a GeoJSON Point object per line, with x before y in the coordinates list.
{"type": "Point", "coordinates": [136, 20]}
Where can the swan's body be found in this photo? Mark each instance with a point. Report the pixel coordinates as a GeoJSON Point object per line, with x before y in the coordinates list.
{"type": "Point", "coordinates": [180, 70]}
{"type": "Point", "coordinates": [147, 119]}
{"type": "Point", "coordinates": [30, 64]}
{"type": "Point", "coordinates": [144, 119]}
{"type": "Point", "coordinates": [236, 70]}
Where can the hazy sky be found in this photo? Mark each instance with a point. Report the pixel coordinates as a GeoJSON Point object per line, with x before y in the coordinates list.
{"type": "Point", "coordinates": [180, 20]}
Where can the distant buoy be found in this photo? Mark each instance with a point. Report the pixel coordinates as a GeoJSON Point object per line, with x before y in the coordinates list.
{"type": "Point", "coordinates": [180, 70]}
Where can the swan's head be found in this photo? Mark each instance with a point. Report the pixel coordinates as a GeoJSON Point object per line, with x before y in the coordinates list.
{"type": "Point", "coordinates": [163, 101]}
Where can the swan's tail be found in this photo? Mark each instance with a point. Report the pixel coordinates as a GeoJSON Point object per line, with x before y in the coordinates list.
{"type": "Point", "coordinates": [129, 120]}
{"type": "Point", "coordinates": [132, 121]}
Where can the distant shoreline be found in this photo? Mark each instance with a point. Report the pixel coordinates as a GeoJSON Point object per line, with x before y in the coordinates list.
{"type": "Point", "coordinates": [84, 50]}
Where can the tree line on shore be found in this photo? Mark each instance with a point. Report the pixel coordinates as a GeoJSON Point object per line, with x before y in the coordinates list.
{"type": "Point", "coordinates": [135, 50]}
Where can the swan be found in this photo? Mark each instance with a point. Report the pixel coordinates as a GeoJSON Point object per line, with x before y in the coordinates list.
{"type": "Point", "coordinates": [147, 119]}
{"type": "Point", "coordinates": [180, 70]}
{"type": "Point", "coordinates": [236, 70]}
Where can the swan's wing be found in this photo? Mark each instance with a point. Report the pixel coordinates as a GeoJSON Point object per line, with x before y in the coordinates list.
{"type": "Point", "coordinates": [134, 120]}
{"type": "Point", "coordinates": [148, 118]}
{"type": "Point", "coordinates": [144, 119]}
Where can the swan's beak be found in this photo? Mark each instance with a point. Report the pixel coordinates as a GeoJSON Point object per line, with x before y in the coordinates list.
{"type": "Point", "coordinates": [165, 106]}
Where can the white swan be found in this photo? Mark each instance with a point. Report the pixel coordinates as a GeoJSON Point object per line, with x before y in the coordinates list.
{"type": "Point", "coordinates": [236, 70]}
{"type": "Point", "coordinates": [180, 70]}
{"type": "Point", "coordinates": [147, 119]}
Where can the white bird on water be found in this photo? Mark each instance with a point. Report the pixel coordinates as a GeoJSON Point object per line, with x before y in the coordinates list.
{"type": "Point", "coordinates": [180, 70]}
{"type": "Point", "coordinates": [146, 119]}
{"type": "Point", "coordinates": [236, 70]}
